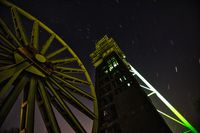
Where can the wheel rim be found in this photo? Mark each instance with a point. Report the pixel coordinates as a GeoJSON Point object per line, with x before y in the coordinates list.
{"type": "Point", "coordinates": [42, 74]}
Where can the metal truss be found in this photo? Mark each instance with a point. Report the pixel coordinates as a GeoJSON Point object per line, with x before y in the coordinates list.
{"type": "Point", "coordinates": [152, 91]}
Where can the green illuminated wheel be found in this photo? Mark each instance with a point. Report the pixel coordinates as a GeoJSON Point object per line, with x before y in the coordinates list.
{"type": "Point", "coordinates": [42, 67]}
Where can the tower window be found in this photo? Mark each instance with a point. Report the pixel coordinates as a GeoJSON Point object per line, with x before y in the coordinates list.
{"type": "Point", "coordinates": [112, 63]}
{"type": "Point", "coordinates": [124, 77]}
{"type": "Point", "coordinates": [106, 71]}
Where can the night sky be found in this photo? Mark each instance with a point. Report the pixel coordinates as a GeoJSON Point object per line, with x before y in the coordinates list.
{"type": "Point", "coordinates": [161, 39]}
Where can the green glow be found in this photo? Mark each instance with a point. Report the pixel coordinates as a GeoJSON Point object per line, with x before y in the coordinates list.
{"type": "Point", "coordinates": [187, 131]}
{"type": "Point", "coordinates": [112, 63]}
{"type": "Point", "coordinates": [170, 117]}
{"type": "Point", "coordinates": [183, 120]}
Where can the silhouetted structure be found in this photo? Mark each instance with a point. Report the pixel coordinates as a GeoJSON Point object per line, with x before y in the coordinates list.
{"type": "Point", "coordinates": [12, 130]}
{"type": "Point", "coordinates": [123, 106]}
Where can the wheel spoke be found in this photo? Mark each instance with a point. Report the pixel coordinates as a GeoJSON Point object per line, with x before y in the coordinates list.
{"type": "Point", "coordinates": [8, 85]}
{"type": "Point", "coordinates": [71, 118]}
{"type": "Point", "coordinates": [19, 29]}
{"type": "Point", "coordinates": [47, 44]}
{"type": "Point", "coordinates": [64, 61]}
{"type": "Point", "coordinates": [11, 99]}
{"type": "Point", "coordinates": [28, 108]}
{"type": "Point", "coordinates": [71, 78]}
{"type": "Point", "coordinates": [47, 111]}
{"type": "Point", "coordinates": [56, 52]}
{"type": "Point", "coordinates": [74, 100]}
{"type": "Point", "coordinates": [35, 35]}
{"type": "Point", "coordinates": [6, 42]}
{"type": "Point", "coordinates": [70, 70]}
{"type": "Point", "coordinates": [5, 55]}
{"type": "Point", "coordinates": [9, 66]}
{"type": "Point", "coordinates": [5, 62]}
{"type": "Point", "coordinates": [5, 74]}
{"type": "Point", "coordinates": [81, 108]}
{"type": "Point", "coordinates": [9, 32]}
{"type": "Point", "coordinates": [6, 49]}
{"type": "Point", "coordinates": [75, 89]}
{"type": "Point", "coordinates": [60, 109]}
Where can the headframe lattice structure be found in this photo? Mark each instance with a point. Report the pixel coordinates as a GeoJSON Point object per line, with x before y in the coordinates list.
{"type": "Point", "coordinates": [45, 71]}
{"type": "Point", "coordinates": [108, 45]}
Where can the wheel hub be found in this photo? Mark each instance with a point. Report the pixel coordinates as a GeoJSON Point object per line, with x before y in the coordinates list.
{"type": "Point", "coordinates": [40, 58]}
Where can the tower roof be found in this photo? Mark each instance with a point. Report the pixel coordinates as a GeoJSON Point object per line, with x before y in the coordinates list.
{"type": "Point", "coordinates": [104, 47]}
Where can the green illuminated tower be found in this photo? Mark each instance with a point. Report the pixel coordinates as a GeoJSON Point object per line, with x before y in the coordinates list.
{"type": "Point", "coordinates": [124, 107]}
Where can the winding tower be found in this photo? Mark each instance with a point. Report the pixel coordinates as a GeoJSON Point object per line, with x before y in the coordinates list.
{"type": "Point", "coordinates": [123, 106]}
{"type": "Point", "coordinates": [127, 102]}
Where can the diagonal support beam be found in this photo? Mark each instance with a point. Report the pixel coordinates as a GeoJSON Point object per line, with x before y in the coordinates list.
{"type": "Point", "coordinates": [11, 99]}
{"type": "Point", "coordinates": [170, 117]}
{"type": "Point", "coordinates": [28, 108]}
{"type": "Point", "coordinates": [182, 119]}
{"type": "Point", "coordinates": [150, 94]}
